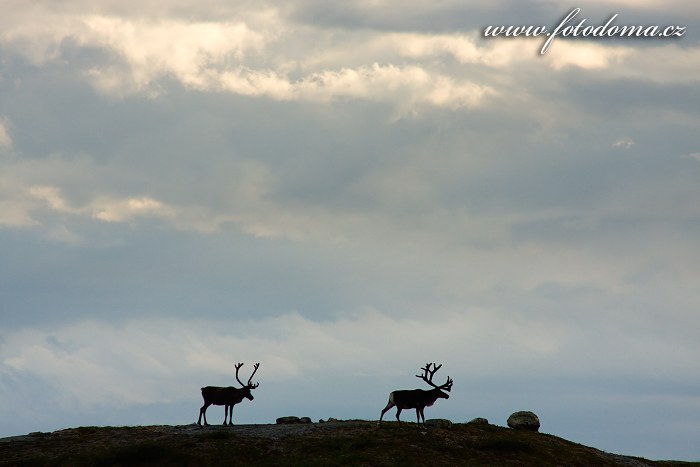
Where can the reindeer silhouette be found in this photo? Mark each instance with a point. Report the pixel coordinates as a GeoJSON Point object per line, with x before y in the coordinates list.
{"type": "Point", "coordinates": [418, 399]}
{"type": "Point", "coordinates": [227, 396]}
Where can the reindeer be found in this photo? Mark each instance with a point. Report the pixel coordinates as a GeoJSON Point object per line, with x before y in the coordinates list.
{"type": "Point", "coordinates": [418, 399]}
{"type": "Point", "coordinates": [228, 396]}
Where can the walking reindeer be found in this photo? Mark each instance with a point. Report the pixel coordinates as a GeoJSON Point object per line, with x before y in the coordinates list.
{"type": "Point", "coordinates": [418, 399]}
{"type": "Point", "coordinates": [228, 396]}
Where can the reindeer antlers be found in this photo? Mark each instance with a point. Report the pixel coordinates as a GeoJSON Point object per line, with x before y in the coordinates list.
{"type": "Point", "coordinates": [255, 368]}
{"type": "Point", "coordinates": [428, 374]}
{"type": "Point", "coordinates": [249, 385]}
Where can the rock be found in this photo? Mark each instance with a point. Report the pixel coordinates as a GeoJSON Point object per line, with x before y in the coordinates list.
{"type": "Point", "coordinates": [439, 423]}
{"type": "Point", "coordinates": [291, 420]}
{"type": "Point", "coordinates": [287, 420]}
{"type": "Point", "coordinates": [479, 421]}
{"type": "Point", "coordinates": [524, 420]}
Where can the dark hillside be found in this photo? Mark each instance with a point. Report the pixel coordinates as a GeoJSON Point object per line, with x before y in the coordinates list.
{"type": "Point", "coordinates": [338, 443]}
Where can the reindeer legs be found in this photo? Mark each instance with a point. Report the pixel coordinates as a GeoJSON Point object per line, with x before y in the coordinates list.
{"type": "Point", "coordinates": [398, 412]}
{"type": "Point", "coordinates": [226, 413]}
{"type": "Point", "coordinates": [389, 405]}
{"type": "Point", "coordinates": [420, 414]}
{"type": "Point", "coordinates": [230, 416]}
{"type": "Point", "coordinates": [203, 411]}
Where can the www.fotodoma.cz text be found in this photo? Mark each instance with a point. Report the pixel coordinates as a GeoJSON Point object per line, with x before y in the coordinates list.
{"type": "Point", "coordinates": [567, 28]}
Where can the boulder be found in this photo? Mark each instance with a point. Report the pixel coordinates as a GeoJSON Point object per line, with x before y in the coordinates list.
{"type": "Point", "coordinates": [524, 420]}
{"type": "Point", "coordinates": [439, 423]}
{"type": "Point", "coordinates": [291, 420]}
{"type": "Point", "coordinates": [479, 421]}
{"type": "Point", "coordinates": [287, 420]}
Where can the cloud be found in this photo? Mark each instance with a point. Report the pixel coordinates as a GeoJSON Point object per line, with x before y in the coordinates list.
{"type": "Point", "coordinates": [22, 208]}
{"type": "Point", "coordinates": [223, 57]}
{"type": "Point", "coordinates": [15, 205]}
{"type": "Point", "coordinates": [5, 138]}
{"type": "Point", "coordinates": [104, 208]}
{"type": "Point", "coordinates": [14, 214]}
{"type": "Point", "coordinates": [110, 210]}
{"type": "Point", "coordinates": [227, 57]}
{"type": "Point", "coordinates": [500, 53]}
{"type": "Point", "coordinates": [665, 64]}
{"type": "Point", "coordinates": [409, 85]}
{"type": "Point", "coordinates": [257, 55]}
{"type": "Point", "coordinates": [586, 55]}
{"type": "Point", "coordinates": [190, 52]}
{"type": "Point", "coordinates": [84, 361]}
{"type": "Point", "coordinates": [624, 143]}
{"type": "Point", "coordinates": [52, 197]}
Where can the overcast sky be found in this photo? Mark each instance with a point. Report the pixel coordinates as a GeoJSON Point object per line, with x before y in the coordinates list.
{"type": "Point", "coordinates": [344, 192]}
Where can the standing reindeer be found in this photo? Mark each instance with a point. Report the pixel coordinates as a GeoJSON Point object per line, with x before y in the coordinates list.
{"type": "Point", "coordinates": [228, 396]}
{"type": "Point", "coordinates": [418, 399]}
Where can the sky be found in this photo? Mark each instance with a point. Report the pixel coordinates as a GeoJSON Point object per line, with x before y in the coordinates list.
{"type": "Point", "coordinates": [343, 192]}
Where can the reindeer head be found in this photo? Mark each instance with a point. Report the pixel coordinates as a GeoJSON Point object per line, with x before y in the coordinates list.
{"type": "Point", "coordinates": [248, 386]}
{"type": "Point", "coordinates": [427, 376]}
